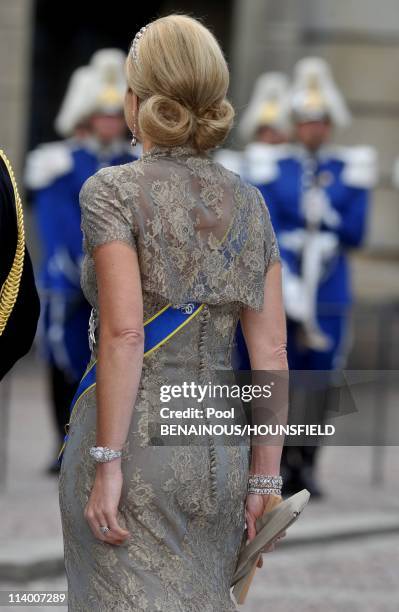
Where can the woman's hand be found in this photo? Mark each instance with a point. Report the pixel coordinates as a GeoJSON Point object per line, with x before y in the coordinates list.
{"type": "Point", "coordinates": [102, 508]}
{"type": "Point", "coordinates": [256, 506]}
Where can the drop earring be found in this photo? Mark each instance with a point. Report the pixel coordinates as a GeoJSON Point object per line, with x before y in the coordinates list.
{"type": "Point", "coordinates": [134, 136]}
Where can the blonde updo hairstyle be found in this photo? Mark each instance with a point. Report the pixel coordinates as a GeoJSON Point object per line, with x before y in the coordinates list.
{"type": "Point", "coordinates": [181, 79]}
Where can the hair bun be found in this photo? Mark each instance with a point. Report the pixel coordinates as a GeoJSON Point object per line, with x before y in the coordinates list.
{"type": "Point", "coordinates": [178, 72]}
{"type": "Point", "coordinates": [165, 121]}
{"type": "Point", "coordinates": [213, 126]}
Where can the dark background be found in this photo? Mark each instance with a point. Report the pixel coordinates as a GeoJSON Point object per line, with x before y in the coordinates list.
{"type": "Point", "coordinates": [66, 34]}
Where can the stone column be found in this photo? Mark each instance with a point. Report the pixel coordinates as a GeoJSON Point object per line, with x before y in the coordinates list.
{"type": "Point", "coordinates": [15, 37]}
{"type": "Point", "coordinates": [266, 36]}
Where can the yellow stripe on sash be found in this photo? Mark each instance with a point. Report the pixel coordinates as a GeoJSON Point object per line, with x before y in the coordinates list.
{"type": "Point", "coordinates": [146, 354]}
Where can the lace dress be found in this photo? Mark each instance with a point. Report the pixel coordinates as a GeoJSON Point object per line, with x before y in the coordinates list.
{"type": "Point", "coordinates": [202, 235]}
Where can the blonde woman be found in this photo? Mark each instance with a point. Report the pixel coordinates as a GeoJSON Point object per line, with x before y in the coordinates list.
{"type": "Point", "coordinates": [150, 527]}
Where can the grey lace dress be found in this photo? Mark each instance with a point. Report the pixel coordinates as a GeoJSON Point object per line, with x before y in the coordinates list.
{"type": "Point", "coordinates": [201, 235]}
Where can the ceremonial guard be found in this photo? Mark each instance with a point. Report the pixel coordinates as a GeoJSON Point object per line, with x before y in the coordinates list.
{"type": "Point", "coordinates": [265, 123]}
{"type": "Point", "coordinates": [92, 122]}
{"type": "Point", "coordinates": [318, 198]}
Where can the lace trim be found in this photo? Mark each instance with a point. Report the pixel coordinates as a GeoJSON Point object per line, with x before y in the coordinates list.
{"type": "Point", "coordinates": [177, 151]}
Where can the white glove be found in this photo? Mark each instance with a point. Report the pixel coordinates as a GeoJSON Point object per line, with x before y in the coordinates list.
{"type": "Point", "coordinates": [317, 208]}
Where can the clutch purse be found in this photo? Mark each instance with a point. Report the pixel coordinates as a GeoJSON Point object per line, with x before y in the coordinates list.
{"type": "Point", "coordinates": [278, 516]}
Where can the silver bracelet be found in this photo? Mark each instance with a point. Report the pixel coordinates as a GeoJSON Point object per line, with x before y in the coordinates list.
{"type": "Point", "coordinates": [102, 454]}
{"type": "Point", "coordinates": [264, 491]}
{"type": "Point", "coordinates": [264, 481]}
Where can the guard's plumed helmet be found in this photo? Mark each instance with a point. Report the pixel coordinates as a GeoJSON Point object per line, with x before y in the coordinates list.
{"type": "Point", "coordinates": [314, 94]}
{"type": "Point", "coordinates": [98, 87]}
{"type": "Point", "coordinates": [268, 106]}
{"type": "Point", "coordinates": [110, 87]}
{"type": "Point", "coordinates": [74, 107]}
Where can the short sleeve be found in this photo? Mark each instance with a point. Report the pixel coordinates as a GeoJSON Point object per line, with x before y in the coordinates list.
{"type": "Point", "coordinates": [105, 216]}
{"type": "Point", "coordinates": [272, 251]}
{"type": "Point", "coordinates": [271, 248]}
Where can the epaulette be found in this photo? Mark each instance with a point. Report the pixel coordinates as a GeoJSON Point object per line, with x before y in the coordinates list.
{"type": "Point", "coordinates": [47, 163]}
{"type": "Point", "coordinates": [261, 162]}
{"type": "Point", "coordinates": [360, 166]}
{"type": "Point", "coordinates": [231, 160]}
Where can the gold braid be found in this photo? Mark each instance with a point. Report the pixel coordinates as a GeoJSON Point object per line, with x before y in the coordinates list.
{"type": "Point", "coordinates": [9, 290]}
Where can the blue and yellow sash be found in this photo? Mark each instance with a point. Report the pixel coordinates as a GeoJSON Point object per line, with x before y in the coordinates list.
{"type": "Point", "coordinates": [157, 331]}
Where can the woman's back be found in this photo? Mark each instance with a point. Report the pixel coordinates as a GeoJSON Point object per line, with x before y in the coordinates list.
{"type": "Point", "coordinates": [202, 235]}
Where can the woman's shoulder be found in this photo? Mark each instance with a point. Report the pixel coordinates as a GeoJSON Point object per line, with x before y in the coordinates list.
{"type": "Point", "coordinates": [249, 198]}
{"type": "Point", "coordinates": [114, 175]}
{"type": "Point", "coordinates": [236, 180]}
{"type": "Point", "coordinates": [118, 183]}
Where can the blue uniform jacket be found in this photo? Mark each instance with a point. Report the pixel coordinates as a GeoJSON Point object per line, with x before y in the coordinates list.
{"type": "Point", "coordinates": [347, 196]}
{"type": "Point", "coordinates": [66, 313]}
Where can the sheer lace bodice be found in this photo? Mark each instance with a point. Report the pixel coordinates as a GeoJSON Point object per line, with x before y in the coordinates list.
{"type": "Point", "coordinates": [201, 233]}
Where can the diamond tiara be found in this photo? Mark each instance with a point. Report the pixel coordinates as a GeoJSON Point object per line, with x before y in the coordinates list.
{"type": "Point", "coordinates": [136, 41]}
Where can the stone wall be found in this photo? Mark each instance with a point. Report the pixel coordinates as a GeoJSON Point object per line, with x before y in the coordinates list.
{"type": "Point", "coordinates": [15, 37]}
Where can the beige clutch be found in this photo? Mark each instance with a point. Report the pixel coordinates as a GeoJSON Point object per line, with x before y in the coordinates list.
{"type": "Point", "coordinates": [278, 516]}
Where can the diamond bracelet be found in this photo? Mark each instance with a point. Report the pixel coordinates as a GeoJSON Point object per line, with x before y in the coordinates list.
{"type": "Point", "coordinates": [262, 480]}
{"type": "Point", "coordinates": [262, 484]}
{"type": "Point", "coordinates": [102, 454]}
{"type": "Point", "coordinates": [264, 491]}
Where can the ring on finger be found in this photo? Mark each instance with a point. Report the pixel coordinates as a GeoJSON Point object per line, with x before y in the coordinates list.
{"type": "Point", "coordinates": [104, 529]}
